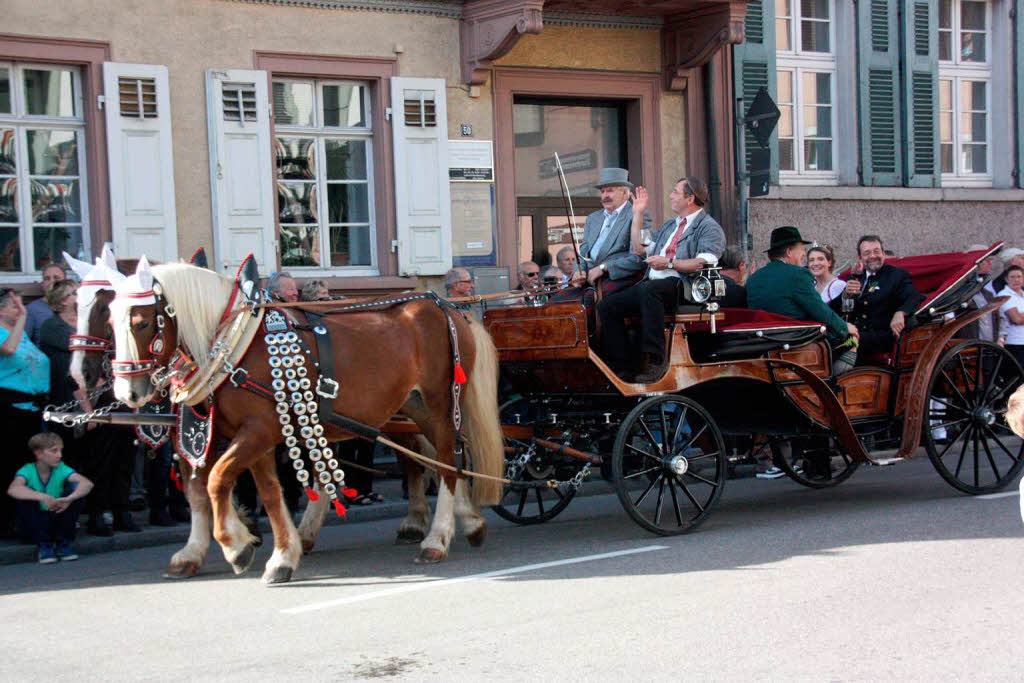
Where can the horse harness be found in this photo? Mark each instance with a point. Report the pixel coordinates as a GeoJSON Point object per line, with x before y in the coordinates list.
{"type": "Point", "coordinates": [299, 403]}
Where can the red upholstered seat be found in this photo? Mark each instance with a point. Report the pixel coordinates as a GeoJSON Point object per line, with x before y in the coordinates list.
{"type": "Point", "coordinates": [737, 319]}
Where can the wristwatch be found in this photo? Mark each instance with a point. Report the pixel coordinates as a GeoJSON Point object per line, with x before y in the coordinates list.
{"type": "Point", "coordinates": [603, 267]}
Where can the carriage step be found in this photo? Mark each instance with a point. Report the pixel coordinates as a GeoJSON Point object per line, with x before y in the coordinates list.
{"type": "Point", "coordinates": [886, 462]}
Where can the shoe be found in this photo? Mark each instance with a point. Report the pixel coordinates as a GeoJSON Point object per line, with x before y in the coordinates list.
{"type": "Point", "coordinates": [161, 518]}
{"type": "Point", "coordinates": [123, 522]}
{"type": "Point", "coordinates": [653, 371]}
{"type": "Point", "coordinates": [98, 527]}
{"type": "Point", "coordinates": [47, 554]}
{"type": "Point", "coordinates": [361, 499]}
{"type": "Point", "coordinates": [771, 473]}
{"type": "Point", "coordinates": [65, 553]}
{"type": "Point", "coordinates": [375, 497]}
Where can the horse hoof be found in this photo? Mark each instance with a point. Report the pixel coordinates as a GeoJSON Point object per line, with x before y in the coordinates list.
{"type": "Point", "coordinates": [307, 547]}
{"type": "Point", "coordinates": [243, 559]}
{"type": "Point", "coordinates": [185, 570]}
{"type": "Point", "coordinates": [409, 536]}
{"type": "Point", "coordinates": [476, 539]}
{"type": "Point", "coordinates": [278, 575]}
{"type": "Point", "coordinates": [429, 556]}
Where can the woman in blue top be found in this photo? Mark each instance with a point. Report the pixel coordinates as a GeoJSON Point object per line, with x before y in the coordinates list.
{"type": "Point", "coordinates": [24, 385]}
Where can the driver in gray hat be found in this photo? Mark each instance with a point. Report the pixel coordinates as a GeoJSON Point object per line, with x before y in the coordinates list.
{"type": "Point", "coordinates": [606, 247]}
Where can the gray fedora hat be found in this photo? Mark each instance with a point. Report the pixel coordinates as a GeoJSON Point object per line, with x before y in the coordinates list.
{"type": "Point", "coordinates": [614, 176]}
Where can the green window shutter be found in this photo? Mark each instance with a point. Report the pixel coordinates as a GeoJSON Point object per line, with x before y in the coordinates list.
{"type": "Point", "coordinates": [754, 67]}
{"type": "Point", "coordinates": [879, 95]}
{"type": "Point", "coordinates": [920, 86]}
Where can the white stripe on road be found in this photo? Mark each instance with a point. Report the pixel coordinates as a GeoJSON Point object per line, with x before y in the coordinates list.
{"type": "Point", "coordinates": [1004, 494]}
{"type": "Point", "coordinates": [409, 588]}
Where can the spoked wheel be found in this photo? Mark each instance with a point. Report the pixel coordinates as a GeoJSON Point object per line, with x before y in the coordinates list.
{"type": "Point", "coordinates": [816, 462]}
{"type": "Point", "coordinates": [965, 430]}
{"type": "Point", "coordinates": [669, 464]}
{"type": "Point", "coordinates": [527, 500]}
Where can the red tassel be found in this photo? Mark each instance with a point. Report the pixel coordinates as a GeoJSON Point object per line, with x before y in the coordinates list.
{"type": "Point", "coordinates": [176, 478]}
{"type": "Point", "coordinates": [460, 374]}
{"type": "Point", "coordinates": [312, 494]}
{"type": "Point", "coordinates": [339, 508]}
{"type": "Point", "coordinates": [349, 493]}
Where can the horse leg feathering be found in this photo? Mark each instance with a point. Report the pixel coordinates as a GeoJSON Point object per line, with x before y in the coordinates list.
{"type": "Point", "coordinates": [187, 561]}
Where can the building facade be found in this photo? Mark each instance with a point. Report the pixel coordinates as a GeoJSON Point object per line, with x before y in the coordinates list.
{"type": "Point", "coordinates": [375, 143]}
{"type": "Point", "coordinates": [898, 117]}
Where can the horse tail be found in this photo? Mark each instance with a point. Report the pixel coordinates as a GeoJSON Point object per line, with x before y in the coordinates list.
{"type": "Point", "coordinates": [481, 424]}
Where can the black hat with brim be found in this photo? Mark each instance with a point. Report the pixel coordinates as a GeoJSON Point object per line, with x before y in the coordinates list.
{"type": "Point", "coordinates": [785, 236]}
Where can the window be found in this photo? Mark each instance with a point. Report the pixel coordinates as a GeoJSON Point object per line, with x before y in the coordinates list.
{"type": "Point", "coordinates": [965, 75]}
{"type": "Point", "coordinates": [42, 195]}
{"type": "Point", "coordinates": [324, 163]}
{"type": "Point", "coordinates": [806, 82]}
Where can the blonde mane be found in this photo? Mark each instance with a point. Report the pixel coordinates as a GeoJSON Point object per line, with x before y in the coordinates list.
{"type": "Point", "coordinates": [198, 296]}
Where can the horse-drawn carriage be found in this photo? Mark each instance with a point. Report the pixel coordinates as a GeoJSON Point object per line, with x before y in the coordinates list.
{"type": "Point", "coordinates": [739, 380]}
{"type": "Point", "coordinates": [736, 380]}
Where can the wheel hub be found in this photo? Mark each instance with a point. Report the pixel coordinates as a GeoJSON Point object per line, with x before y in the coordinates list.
{"type": "Point", "coordinates": [983, 417]}
{"type": "Point", "coordinates": [679, 464]}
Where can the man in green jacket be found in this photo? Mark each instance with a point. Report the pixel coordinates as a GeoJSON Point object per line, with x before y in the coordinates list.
{"type": "Point", "coordinates": [785, 287]}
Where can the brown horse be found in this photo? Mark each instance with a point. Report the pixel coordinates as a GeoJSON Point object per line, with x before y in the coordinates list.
{"type": "Point", "coordinates": [395, 360]}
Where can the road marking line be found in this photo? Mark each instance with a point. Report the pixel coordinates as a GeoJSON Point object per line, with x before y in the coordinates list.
{"type": "Point", "coordinates": [1004, 494]}
{"type": "Point", "coordinates": [409, 588]}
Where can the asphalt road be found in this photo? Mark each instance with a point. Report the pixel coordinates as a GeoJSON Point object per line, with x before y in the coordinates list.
{"type": "Point", "coordinates": [893, 575]}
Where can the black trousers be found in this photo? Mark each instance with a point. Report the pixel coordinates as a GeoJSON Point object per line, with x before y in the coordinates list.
{"type": "Point", "coordinates": [360, 452]}
{"type": "Point", "coordinates": [651, 300]}
{"type": "Point", "coordinates": [42, 526]}
{"type": "Point", "coordinates": [109, 465]}
{"type": "Point", "coordinates": [18, 427]}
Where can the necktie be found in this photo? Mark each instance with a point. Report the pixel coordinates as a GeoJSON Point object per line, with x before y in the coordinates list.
{"type": "Point", "coordinates": [605, 229]}
{"type": "Point", "coordinates": [671, 251]}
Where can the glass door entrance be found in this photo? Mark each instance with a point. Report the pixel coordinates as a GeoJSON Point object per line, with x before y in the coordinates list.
{"type": "Point", "coordinates": [588, 135]}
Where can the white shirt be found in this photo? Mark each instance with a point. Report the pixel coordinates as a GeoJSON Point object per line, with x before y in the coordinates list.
{"type": "Point", "coordinates": [606, 228]}
{"type": "Point", "coordinates": [1014, 333]}
{"type": "Point", "coordinates": [832, 290]}
{"type": "Point", "coordinates": [710, 259]}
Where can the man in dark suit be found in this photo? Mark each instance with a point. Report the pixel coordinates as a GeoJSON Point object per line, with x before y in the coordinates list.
{"type": "Point", "coordinates": [883, 296]}
{"type": "Point", "coordinates": [682, 246]}
{"type": "Point", "coordinates": [606, 245]}
{"type": "Point", "coordinates": [785, 287]}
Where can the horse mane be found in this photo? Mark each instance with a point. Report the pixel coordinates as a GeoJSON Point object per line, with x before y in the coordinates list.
{"type": "Point", "coordinates": [199, 297]}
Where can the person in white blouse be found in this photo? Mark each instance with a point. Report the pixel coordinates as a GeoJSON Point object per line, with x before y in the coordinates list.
{"type": "Point", "coordinates": [1012, 310]}
{"type": "Point", "coordinates": [820, 261]}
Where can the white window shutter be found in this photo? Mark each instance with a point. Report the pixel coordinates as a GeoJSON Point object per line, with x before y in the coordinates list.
{"type": "Point", "coordinates": [241, 170]}
{"type": "Point", "coordinates": [141, 160]}
{"type": "Point", "coordinates": [423, 204]}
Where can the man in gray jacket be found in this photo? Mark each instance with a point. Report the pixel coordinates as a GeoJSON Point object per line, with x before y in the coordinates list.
{"type": "Point", "coordinates": [606, 242]}
{"type": "Point", "coordinates": [682, 246]}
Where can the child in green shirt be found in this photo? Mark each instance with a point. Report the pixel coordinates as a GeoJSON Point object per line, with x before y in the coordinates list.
{"type": "Point", "coordinates": [49, 497]}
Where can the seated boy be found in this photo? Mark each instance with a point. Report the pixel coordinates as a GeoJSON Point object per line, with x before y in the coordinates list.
{"type": "Point", "coordinates": [49, 497]}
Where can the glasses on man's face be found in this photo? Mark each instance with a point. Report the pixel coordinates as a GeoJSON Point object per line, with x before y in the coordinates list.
{"type": "Point", "coordinates": [534, 274]}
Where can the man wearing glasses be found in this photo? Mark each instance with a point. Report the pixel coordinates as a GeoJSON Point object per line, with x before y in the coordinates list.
{"type": "Point", "coordinates": [458, 282]}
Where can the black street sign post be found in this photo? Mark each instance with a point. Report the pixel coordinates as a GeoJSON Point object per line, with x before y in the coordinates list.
{"type": "Point", "coordinates": [760, 120]}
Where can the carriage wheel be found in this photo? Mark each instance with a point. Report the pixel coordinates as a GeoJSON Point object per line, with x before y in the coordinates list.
{"type": "Point", "coordinates": [814, 462]}
{"type": "Point", "coordinates": [669, 464]}
{"type": "Point", "coordinates": [965, 430]}
{"type": "Point", "coordinates": [524, 502]}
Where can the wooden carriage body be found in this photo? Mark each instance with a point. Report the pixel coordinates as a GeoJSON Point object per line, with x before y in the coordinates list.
{"type": "Point", "coordinates": [547, 351]}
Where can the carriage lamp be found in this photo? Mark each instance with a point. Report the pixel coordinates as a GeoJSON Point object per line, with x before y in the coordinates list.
{"type": "Point", "coordinates": [699, 289]}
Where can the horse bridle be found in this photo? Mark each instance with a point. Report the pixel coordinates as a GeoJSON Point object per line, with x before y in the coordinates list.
{"type": "Point", "coordinates": [137, 368]}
